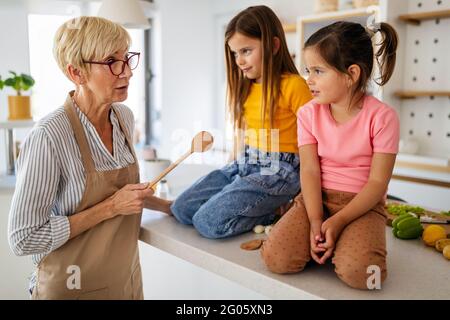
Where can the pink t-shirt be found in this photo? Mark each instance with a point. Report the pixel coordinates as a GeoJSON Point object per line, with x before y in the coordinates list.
{"type": "Point", "coordinates": [346, 150]}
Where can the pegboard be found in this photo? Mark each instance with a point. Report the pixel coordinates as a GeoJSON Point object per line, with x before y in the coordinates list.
{"type": "Point", "coordinates": [427, 68]}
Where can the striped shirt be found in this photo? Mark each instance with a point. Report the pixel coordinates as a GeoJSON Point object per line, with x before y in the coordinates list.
{"type": "Point", "coordinates": [51, 178]}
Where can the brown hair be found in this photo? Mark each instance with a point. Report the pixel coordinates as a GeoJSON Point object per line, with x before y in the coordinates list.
{"type": "Point", "coordinates": [258, 22]}
{"type": "Point", "coordinates": [343, 44]}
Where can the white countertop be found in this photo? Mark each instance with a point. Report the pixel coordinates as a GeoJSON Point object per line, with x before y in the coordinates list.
{"type": "Point", "coordinates": [414, 270]}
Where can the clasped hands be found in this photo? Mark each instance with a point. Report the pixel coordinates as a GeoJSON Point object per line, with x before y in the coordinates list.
{"type": "Point", "coordinates": [323, 237]}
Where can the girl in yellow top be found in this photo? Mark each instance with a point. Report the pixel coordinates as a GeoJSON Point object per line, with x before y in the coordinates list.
{"type": "Point", "coordinates": [265, 92]}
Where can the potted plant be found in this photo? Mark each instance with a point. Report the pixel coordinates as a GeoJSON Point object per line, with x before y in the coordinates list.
{"type": "Point", "coordinates": [19, 105]}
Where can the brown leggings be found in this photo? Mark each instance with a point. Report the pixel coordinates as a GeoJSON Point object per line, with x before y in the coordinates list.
{"type": "Point", "coordinates": [362, 242]}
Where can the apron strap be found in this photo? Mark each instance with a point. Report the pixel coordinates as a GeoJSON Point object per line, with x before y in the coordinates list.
{"type": "Point", "coordinates": [79, 133]}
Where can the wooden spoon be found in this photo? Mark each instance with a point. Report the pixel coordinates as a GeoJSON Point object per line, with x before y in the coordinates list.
{"type": "Point", "coordinates": [202, 142]}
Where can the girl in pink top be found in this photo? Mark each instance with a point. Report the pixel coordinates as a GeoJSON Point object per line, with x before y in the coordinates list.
{"type": "Point", "coordinates": [348, 141]}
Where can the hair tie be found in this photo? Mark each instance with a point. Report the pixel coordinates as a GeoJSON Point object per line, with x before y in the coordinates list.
{"type": "Point", "coordinates": [373, 28]}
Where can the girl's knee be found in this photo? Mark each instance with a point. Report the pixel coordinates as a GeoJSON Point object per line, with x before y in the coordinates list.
{"type": "Point", "coordinates": [182, 213]}
{"type": "Point", "coordinates": [209, 228]}
{"type": "Point", "coordinates": [362, 273]}
{"type": "Point", "coordinates": [282, 261]}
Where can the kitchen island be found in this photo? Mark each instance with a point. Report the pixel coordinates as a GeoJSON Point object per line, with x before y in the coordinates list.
{"type": "Point", "coordinates": [414, 270]}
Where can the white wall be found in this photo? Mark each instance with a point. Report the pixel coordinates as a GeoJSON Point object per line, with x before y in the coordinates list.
{"type": "Point", "coordinates": [286, 10]}
{"type": "Point", "coordinates": [14, 39]}
{"type": "Point", "coordinates": [185, 68]}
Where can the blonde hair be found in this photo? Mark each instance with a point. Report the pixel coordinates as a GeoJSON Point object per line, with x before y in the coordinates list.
{"type": "Point", "coordinates": [88, 38]}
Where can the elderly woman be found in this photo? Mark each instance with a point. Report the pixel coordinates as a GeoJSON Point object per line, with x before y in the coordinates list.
{"type": "Point", "coordinates": [78, 202]}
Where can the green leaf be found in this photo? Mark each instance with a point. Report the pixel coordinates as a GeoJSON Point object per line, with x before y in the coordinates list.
{"type": "Point", "coordinates": [20, 82]}
{"type": "Point", "coordinates": [27, 80]}
{"type": "Point", "coordinates": [10, 82]}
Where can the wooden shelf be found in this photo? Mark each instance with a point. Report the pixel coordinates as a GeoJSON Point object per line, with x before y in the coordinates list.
{"type": "Point", "coordinates": [422, 166]}
{"type": "Point", "coordinates": [418, 94]}
{"type": "Point", "coordinates": [290, 28]}
{"type": "Point", "coordinates": [423, 162]}
{"type": "Point", "coordinates": [431, 182]}
{"type": "Point", "coordinates": [416, 18]}
{"type": "Point", "coordinates": [340, 15]}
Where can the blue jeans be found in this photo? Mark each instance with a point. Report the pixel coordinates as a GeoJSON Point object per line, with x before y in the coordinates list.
{"type": "Point", "coordinates": [244, 193]}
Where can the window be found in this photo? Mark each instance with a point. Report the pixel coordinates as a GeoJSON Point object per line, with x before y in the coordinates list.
{"type": "Point", "coordinates": [51, 86]}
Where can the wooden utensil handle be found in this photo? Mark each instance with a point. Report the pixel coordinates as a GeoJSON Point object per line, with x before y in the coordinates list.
{"type": "Point", "coordinates": [168, 169]}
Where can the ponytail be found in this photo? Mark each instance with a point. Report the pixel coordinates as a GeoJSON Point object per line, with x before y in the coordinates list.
{"type": "Point", "coordinates": [386, 54]}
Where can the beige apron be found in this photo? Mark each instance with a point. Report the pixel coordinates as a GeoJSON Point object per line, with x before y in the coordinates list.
{"type": "Point", "coordinates": [107, 255]}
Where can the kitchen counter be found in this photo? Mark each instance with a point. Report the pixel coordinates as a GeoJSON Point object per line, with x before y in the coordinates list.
{"type": "Point", "coordinates": [414, 270]}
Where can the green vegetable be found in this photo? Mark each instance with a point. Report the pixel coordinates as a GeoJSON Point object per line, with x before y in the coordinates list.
{"type": "Point", "coordinates": [445, 213]}
{"type": "Point", "coordinates": [407, 227]}
{"type": "Point", "coordinates": [398, 209]}
{"type": "Point", "coordinates": [408, 223]}
{"type": "Point", "coordinates": [412, 233]}
{"type": "Point", "coordinates": [400, 218]}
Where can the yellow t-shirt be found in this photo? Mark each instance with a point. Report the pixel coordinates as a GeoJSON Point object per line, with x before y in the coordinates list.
{"type": "Point", "coordinates": [294, 94]}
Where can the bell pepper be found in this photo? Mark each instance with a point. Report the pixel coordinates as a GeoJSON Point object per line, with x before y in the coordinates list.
{"type": "Point", "coordinates": [407, 226]}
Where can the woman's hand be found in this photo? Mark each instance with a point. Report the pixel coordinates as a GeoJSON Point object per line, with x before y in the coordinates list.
{"type": "Point", "coordinates": [130, 199]}
{"type": "Point", "coordinates": [315, 238]}
{"type": "Point", "coordinates": [127, 201]}
{"type": "Point", "coordinates": [331, 229]}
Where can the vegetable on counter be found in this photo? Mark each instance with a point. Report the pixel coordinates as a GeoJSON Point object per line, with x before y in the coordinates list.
{"type": "Point", "coordinates": [397, 209]}
{"type": "Point", "coordinates": [441, 244]}
{"type": "Point", "coordinates": [446, 252]}
{"type": "Point", "coordinates": [432, 234]}
{"type": "Point", "coordinates": [445, 213]}
{"type": "Point", "coordinates": [407, 226]}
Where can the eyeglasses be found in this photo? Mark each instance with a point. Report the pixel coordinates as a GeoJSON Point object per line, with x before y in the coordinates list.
{"type": "Point", "coordinates": [118, 66]}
